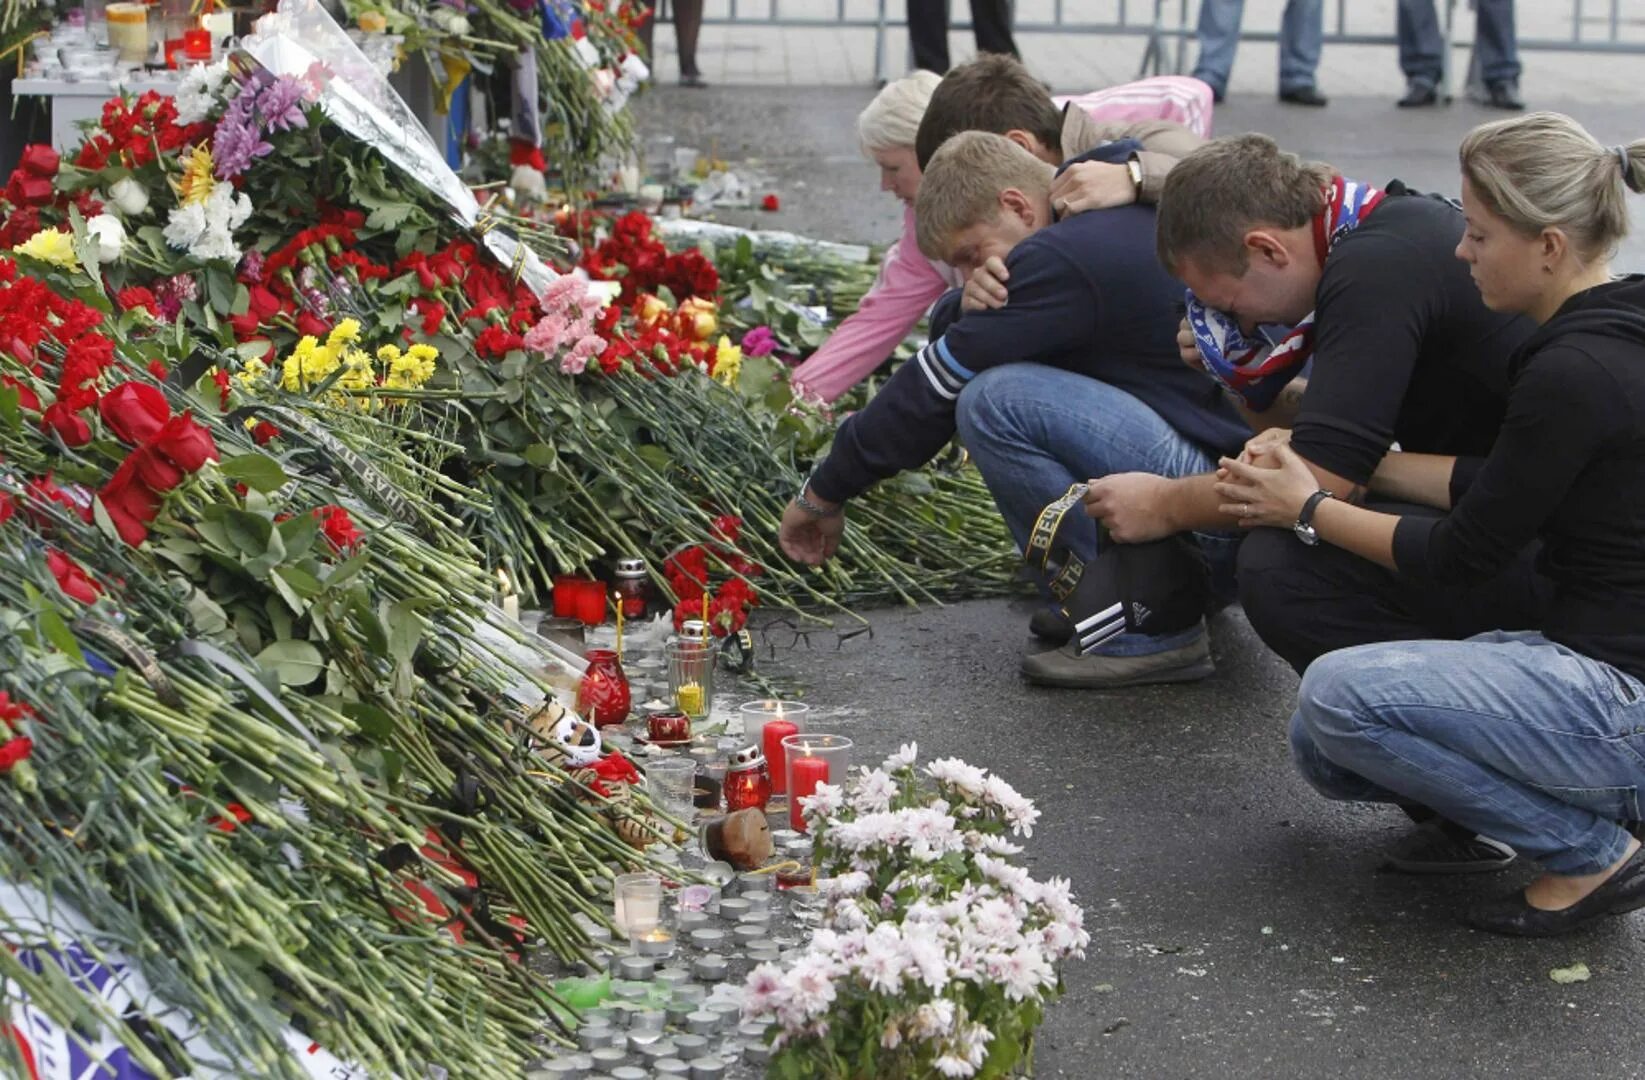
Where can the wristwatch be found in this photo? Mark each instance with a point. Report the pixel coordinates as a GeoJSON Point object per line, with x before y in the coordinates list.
{"type": "Point", "coordinates": [1304, 528]}
{"type": "Point", "coordinates": [1134, 168]}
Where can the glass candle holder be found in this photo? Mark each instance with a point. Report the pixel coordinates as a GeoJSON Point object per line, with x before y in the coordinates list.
{"type": "Point", "coordinates": [603, 696]}
{"type": "Point", "coordinates": [637, 904]}
{"type": "Point", "coordinates": [766, 724]}
{"type": "Point", "coordinates": [128, 31]}
{"type": "Point", "coordinates": [747, 781]}
{"type": "Point", "coordinates": [690, 675]}
{"type": "Point", "coordinates": [671, 782]}
{"type": "Point", "coordinates": [812, 760]}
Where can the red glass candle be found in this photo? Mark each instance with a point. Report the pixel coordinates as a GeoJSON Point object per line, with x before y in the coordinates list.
{"type": "Point", "coordinates": [603, 695]}
{"type": "Point", "coordinates": [174, 49]}
{"type": "Point", "coordinates": [775, 732]}
{"type": "Point", "coordinates": [668, 727]}
{"type": "Point", "coordinates": [808, 773]}
{"type": "Point", "coordinates": [197, 44]}
{"type": "Point", "coordinates": [565, 596]}
{"type": "Point", "coordinates": [591, 602]}
{"type": "Point", "coordinates": [747, 781]}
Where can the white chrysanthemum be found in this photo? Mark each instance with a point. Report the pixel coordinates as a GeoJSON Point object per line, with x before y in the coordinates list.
{"type": "Point", "coordinates": [854, 883]}
{"type": "Point", "coordinates": [933, 1020]}
{"type": "Point", "coordinates": [197, 92]}
{"type": "Point", "coordinates": [824, 802]}
{"type": "Point", "coordinates": [965, 778]}
{"type": "Point", "coordinates": [952, 1066]}
{"type": "Point", "coordinates": [184, 226]}
{"type": "Point", "coordinates": [874, 791]}
{"type": "Point", "coordinates": [904, 757]}
{"type": "Point", "coordinates": [809, 987]}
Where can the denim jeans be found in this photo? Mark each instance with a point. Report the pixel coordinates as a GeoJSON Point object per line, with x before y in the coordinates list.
{"type": "Point", "coordinates": [1035, 430]}
{"type": "Point", "coordinates": [1422, 45]}
{"type": "Point", "coordinates": [1301, 36]}
{"type": "Point", "coordinates": [1509, 734]}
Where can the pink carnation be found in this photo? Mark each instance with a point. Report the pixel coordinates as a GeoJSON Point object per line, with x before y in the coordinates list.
{"type": "Point", "coordinates": [549, 334]}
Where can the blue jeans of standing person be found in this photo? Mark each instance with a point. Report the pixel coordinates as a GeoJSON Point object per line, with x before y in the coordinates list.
{"type": "Point", "coordinates": [1301, 35]}
{"type": "Point", "coordinates": [1422, 45]}
{"type": "Point", "coordinates": [1034, 431]}
{"type": "Point", "coordinates": [1516, 737]}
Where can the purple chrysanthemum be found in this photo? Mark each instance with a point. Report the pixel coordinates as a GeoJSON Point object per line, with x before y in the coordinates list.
{"type": "Point", "coordinates": [238, 140]}
{"type": "Point", "coordinates": [281, 104]}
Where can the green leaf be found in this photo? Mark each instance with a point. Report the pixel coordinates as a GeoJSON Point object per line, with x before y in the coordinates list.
{"type": "Point", "coordinates": [220, 285]}
{"type": "Point", "coordinates": [299, 533]}
{"type": "Point", "coordinates": [294, 663]}
{"type": "Point", "coordinates": [10, 410]}
{"type": "Point", "coordinates": [58, 633]}
{"type": "Point", "coordinates": [541, 455]}
{"type": "Point", "coordinates": [257, 471]}
{"type": "Point", "coordinates": [376, 723]}
{"type": "Point", "coordinates": [389, 216]}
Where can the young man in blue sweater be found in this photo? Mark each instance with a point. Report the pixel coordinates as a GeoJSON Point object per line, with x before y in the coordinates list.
{"type": "Point", "coordinates": [1077, 377]}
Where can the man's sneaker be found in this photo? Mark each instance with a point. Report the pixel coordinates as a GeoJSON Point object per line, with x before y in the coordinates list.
{"type": "Point", "coordinates": [1419, 95]}
{"type": "Point", "coordinates": [1444, 847]}
{"type": "Point", "coordinates": [1051, 625]}
{"type": "Point", "coordinates": [1503, 95]}
{"type": "Point", "coordinates": [1063, 667]}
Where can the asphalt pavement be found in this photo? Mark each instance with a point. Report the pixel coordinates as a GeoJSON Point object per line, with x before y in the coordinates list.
{"type": "Point", "coordinates": [1240, 926]}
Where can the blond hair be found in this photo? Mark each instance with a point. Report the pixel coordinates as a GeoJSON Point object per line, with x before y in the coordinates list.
{"type": "Point", "coordinates": [892, 119]}
{"type": "Point", "coordinates": [1226, 188]}
{"type": "Point", "coordinates": [1544, 171]}
{"type": "Point", "coordinates": [961, 187]}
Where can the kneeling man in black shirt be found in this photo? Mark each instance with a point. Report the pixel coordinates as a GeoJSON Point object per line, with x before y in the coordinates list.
{"type": "Point", "coordinates": [1367, 284]}
{"type": "Point", "coordinates": [1077, 377]}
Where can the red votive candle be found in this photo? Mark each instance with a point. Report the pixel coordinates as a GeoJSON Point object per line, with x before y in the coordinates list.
{"type": "Point", "coordinates": [591, 602]}
{"type": "Point", "coordinates": [197, 44]}
{"type": "Point", "coordinates": [775, 732]}
{"type": "Point", "coordinates": [565, 597]}
{"type": "Point", "coordinates": [808, 773]}
{"type": "Point", "coordinates": [174, 49]}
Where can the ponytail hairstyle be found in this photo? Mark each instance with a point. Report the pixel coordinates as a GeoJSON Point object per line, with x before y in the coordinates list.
{"type": "Point", "coordinates": [1544, 170]}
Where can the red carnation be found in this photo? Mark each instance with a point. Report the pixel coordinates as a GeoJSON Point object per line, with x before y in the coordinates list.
{"type": "Point", "coordinates": [494, 342]}
{"type": "Point", "coordinates": [338, 528]}
{"type": "Point", "coordinates": [138, 297]}
{"type": "Point", "coordinates": [15, 751]}
{"type": "Point", "coordinates": [7, 507]}
{"type": "Point", "coordinates": [134, 411]}
{"type": "Point", "coordinates": [770, 202]}
{"type": "Point", "coordinates": [264, 433]}
{"type": "Point", "coordinates": [13, 711]}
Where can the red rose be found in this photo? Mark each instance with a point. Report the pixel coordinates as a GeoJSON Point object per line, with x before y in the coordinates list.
{"type": "Point", "coordinates": [770, 202]}
{"type": "Point", "coordinates": [15, 751]}
{"type": "Point", "coordinates": [154, 471]}
{"type": "Point", "coordinates": [40, 159]}
{"type": "Point", "coordinates": [134, 411]}
{"type": "Point", "coordinates": [264, 433]}
{"type": "Point", "coordinates": [185, 443]}
{"type": "Point", "coordinates": [27, 399]}
{"type": "Point", "coordinates": [29, 190]}
{"type": "Point", "coordinates": [130, 503]}
{"type": "Point", "coordinates": [67, 423]}
{"type": "Point", "coordinates": [308, 324]}
{"type": "Point", "coordinates": [338, 528]}
{"type": "Point", "coordinates": [70, 578]}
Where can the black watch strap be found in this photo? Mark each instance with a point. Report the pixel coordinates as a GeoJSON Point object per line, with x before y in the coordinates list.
{"type": "Point", "coordinates": [1305, 519]}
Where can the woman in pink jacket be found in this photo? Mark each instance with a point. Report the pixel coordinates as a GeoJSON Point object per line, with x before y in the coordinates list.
{"type": "Point", "coordinates": [909, 283]}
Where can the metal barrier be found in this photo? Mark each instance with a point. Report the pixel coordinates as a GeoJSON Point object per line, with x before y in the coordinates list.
{"type": "Point", "coordinates": [1167, 26]}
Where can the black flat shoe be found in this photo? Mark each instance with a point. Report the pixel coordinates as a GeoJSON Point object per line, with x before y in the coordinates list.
{"type": "Point", "coordinates": [1437, 846]}
{"type": "Point", "coordinates": [1304, 95]}
{"type": "Point", "coordinates": [1622, 892]}
{"type": "Point", "coordinates": [1051, 625]}
{"type": "Point", "coordinates": [1504, 95]}
{"type": "Point", "coordinates": [694, 81]}
{"type": "Point", "coordinates": [1419, 96]}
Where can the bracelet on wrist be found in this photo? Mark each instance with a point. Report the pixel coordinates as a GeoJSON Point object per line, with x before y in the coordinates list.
{"type": "Point", "coordinates": [804, 502]}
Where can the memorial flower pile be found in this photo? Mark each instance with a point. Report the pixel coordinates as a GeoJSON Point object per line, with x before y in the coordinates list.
{"type": "Point", "coordinates": [938, 954]}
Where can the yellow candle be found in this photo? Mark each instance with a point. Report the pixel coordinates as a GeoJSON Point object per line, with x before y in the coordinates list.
{"type": "Point", "coordinates": [129, 31]}
{"type": "Point", "coordinates": [617, 602]}
{"type": "Point", "coordinates": [689, 699]}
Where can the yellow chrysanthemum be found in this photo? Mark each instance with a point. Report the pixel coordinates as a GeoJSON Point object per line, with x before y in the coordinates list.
{"type": "Point", "coordinates": [197, 180]}
{"type": "Point", "coordinates": [358, 373]}
{"type": "Point", "coordinates": [49, 245]}
{"type": "Point", "coordinates": [408, 370]}
{"type": "Point", "coordinates": [344, 333]}
{"type": "Point", "coordinates": [308, 364]}
{"type": "Point", "coordinates": [252, 372]}
{"type": "Point", "coordinates": [728, 362]}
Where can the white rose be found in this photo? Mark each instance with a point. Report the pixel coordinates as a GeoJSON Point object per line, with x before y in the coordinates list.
{"type": "Point", "coordinates": [109, 234]}
{"type": "Point", "coordinates": [130, 196]}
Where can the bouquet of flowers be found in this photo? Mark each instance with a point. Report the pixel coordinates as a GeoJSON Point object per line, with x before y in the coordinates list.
{"type": "Point", "coordinates": [938, 954]}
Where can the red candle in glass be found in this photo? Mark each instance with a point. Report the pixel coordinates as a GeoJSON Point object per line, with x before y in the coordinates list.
{"type": "Point", "coordinates": [603, 695]}
{"type": "Point", "coordinates": [747, 789]}
{"type": "Point", "coordinates": [591, 602]}
{"type": "Point", "coordinates": [197, 44]}
{"type": "Point", "coordinates": [809, 771]}
{"type": "Point", "coordinates": [565, 596]}
{"type": "Point", "coordinates": [174, 49]}
{"type": "Point", "coordinates": [667, 727]}
{"type": "Point", "coordinates": [775, 732]}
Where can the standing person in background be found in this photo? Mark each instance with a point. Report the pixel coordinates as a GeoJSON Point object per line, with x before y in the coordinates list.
{"type": "Point", "coordinates": [1301, 36]}
{"type": "Point", "coordinates": [688, 23]}
{"type": "Point", "coordinates": [928, 31]}
{"type": "Point", "coordinates": [1422, 53]}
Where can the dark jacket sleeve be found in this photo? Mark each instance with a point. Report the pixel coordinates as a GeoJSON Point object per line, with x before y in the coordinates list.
{"type": "Point", "coordinates": [1051, 311]}
{"type": "Point", "coordinates": [1375, 305]}
{"type": "Point", "coordinates": [1562, 409]}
